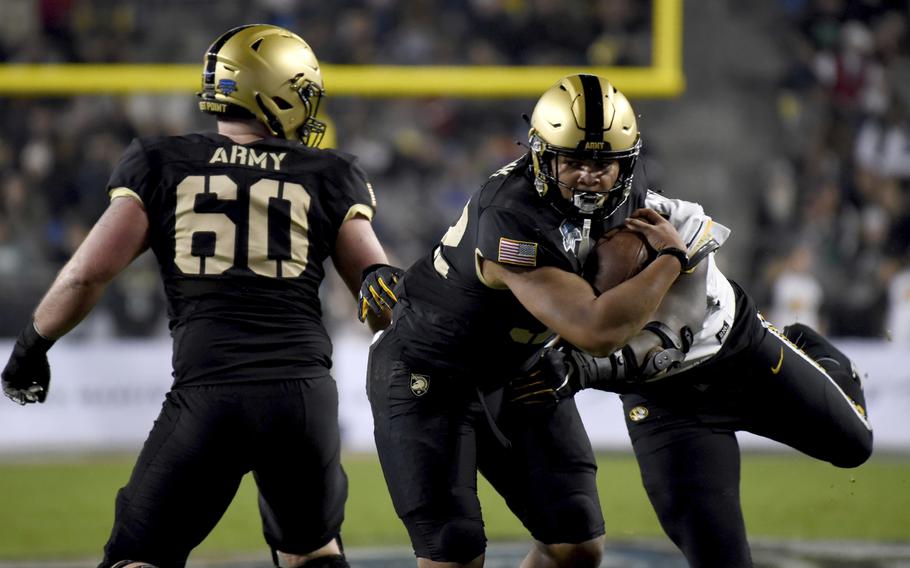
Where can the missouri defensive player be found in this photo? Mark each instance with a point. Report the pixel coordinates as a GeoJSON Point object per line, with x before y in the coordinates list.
{"type": "Point", "coordinates": [732, 372]}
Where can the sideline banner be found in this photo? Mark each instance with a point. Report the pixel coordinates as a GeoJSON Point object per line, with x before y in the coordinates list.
{"type": "Point", "coordinates": [105, 395]}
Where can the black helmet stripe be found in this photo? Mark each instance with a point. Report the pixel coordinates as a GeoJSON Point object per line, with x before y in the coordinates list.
{"type": "Point", "coordinates": [594, 107]}
{"type": "Point", "coordinates": [211, 59]}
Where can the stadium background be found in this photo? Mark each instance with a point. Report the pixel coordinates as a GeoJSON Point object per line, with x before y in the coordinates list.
{"type": "Point", "coordinates": [786, 119]}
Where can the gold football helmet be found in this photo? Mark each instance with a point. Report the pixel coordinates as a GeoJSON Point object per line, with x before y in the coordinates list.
{"type": "Point", "coordinates": [585, 117]}
{"type": "Point", "coordinates": [267, 73]}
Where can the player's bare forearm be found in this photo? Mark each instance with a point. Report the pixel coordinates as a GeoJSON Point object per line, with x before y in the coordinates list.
{"type": "Point", "coordinates": [356, 249]}
{"type": "Point", "coordinates": [632, 303]}
{"type": "Point", "coordinates": [567, 304]}
{"type": "Point", "coordinates": [66, 304]}
{"type": "Point", "coordinates": [118, 237]}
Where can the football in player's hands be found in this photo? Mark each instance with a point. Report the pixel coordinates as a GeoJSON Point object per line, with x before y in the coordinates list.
{"type": "Point", "coordinates": [617, 256]}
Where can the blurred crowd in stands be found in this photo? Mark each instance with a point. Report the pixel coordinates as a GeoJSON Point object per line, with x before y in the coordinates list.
{"type": "Point", "coordinates": [836, 215]}
{"type": "Point", "coordinates": [831, 239]}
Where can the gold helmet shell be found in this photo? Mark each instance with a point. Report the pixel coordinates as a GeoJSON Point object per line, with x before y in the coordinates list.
{"type": "Point", "coordinates": [267, 73]}
{"type": "Point", "coordinates": [585, 117]}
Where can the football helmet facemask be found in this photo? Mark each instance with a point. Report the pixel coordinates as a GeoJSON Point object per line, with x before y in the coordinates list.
{"type": "Point", "coordinates": [267, 73]}
{"type": "Point", "coordinates": [586, 118]}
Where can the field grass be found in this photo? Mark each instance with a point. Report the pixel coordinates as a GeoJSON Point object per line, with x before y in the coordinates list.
{"type": "Point", "coordinates": [63, 508]}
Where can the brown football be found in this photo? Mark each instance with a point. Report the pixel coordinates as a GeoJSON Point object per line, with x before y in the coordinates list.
{"type": "Point", "coordinates": [617, 256]}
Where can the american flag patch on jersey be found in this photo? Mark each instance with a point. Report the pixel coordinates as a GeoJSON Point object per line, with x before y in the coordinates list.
{"type": "Point", "coordinates": [522, 253]}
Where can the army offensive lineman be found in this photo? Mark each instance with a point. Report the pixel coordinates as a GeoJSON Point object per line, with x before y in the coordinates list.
{"type": "Point", "coordinates": [241, 222]}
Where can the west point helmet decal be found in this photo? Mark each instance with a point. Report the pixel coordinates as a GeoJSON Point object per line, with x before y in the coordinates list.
{"type": "Point", "coordinates": [226, 86]}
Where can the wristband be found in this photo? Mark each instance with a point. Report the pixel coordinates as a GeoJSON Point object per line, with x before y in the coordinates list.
{"type": "Point", "coordinates": [33, 340]}
{"type": "Point", "coordinates": [678, 254]}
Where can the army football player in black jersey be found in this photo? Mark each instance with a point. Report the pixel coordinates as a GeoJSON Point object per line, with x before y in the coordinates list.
{"type": "Point", "coordinates": [241, 222]}
{"type": "Point", "coordinates": [725, 369]}
{"type": "Point", "coordinates": [475, 308]}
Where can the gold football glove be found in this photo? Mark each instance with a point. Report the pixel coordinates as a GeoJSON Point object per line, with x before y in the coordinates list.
{"type": "Point", "coordinates": [377, 289]}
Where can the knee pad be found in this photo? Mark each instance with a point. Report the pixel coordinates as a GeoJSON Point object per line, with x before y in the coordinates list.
{"type": "Point", "coordinates": [458, 540]}
{"type": "Point", "coordinates": [462, 540]}
{"type": "Point", "coordinates": [816, 346]}
{"type": "Point", "coordinates": [838, 366]}
{"type": "Point", "coordinates": [132, 564]}
{"type": "Point", "coordinates": [575, 518]}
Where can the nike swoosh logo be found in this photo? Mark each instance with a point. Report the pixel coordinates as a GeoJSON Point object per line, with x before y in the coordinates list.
{"type": "Point", "coordinates": [780, 362]}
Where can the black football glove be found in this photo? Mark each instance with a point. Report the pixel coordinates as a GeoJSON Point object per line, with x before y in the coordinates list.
{"type": "Point", "coordinates": [376, 289]}
{"type": "Point", "coordinates": [557, 373]}
{"type": "Point", "coordinates": [27, 375]}
{"type": "Point", "coordinates": [550, 376]}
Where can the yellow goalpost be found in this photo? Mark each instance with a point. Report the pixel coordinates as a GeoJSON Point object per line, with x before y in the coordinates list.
{"type": "Point", "coordinates": [663, 78]}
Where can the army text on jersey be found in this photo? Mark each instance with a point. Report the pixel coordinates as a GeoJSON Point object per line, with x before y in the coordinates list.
{"type": "Point", "coordinates": [241, 233]}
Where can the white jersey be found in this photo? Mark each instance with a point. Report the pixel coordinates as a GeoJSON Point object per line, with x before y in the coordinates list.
{"type": "Point", "coordinates": [697, 230]}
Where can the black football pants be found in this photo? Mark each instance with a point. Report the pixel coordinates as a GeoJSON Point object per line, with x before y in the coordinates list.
{"type": "Point", "coordinates": [433, 435]}
{"type": "Point", "coordinates": [203, 443]}
{"type": "Point", "coordinates": [683, 432]}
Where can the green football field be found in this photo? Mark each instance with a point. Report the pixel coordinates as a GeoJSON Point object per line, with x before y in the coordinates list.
{"type": "Point", "coordinates": [61, 509]}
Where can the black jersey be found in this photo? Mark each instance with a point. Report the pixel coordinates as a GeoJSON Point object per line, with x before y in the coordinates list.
{"type": "Point", "coordinates": [241, 233]}
{"type": "Point", "coordinates": [450, 318]}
